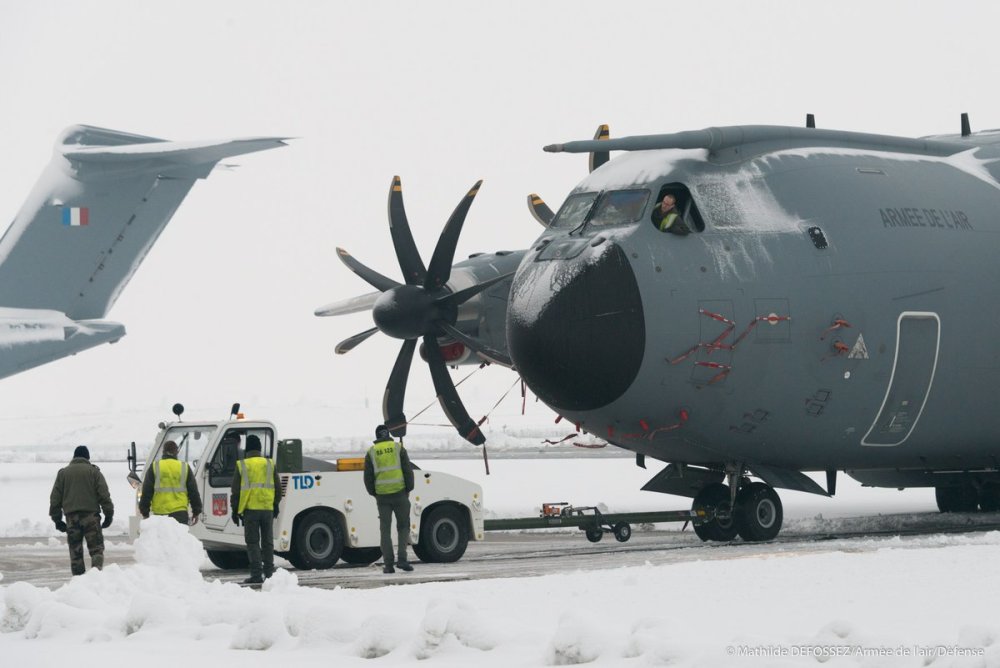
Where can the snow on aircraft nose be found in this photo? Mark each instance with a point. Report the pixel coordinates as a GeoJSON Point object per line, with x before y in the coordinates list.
{"type": "Point", "coordinates": [575, 325]}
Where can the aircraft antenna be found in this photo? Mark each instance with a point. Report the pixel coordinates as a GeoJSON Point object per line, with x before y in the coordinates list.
{"type": "Point", "coordinates": [966, 127]}
{"type": "Point", "coordinates": [810, 121]}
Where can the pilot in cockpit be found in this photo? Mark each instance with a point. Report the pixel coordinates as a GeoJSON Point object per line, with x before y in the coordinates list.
{"type": "Point", "coordinates": [667, 218]}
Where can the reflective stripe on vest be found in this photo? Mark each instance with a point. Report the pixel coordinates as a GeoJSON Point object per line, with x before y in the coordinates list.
{"type": "Point", "coordinates": [256, 484]}
{"type": "Point", "coordinates": [667, 221]}
{"type": "Point", "coordinates": [169, 486]}
{"type": "Point", "coordinates": [388, 467]}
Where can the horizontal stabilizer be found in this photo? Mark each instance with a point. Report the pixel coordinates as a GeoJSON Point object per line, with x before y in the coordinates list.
{"type": "Point", "coordinates": [32, 337]}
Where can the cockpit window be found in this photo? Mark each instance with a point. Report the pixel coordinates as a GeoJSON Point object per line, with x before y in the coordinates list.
{"type": "Point", "coordinates": [574, 210]}
{"type": "Point", "coordinates": [618, 207]}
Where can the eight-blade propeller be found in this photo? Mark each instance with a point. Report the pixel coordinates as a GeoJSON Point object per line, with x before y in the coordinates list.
{"type": "Point", "coordinates": [421, 307]}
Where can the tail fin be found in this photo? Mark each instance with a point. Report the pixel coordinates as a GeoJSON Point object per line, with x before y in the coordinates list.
{"type": "Point", "coordinates": [96, 211]}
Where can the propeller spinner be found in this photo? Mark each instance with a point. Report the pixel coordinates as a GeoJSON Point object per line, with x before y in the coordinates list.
{"type": "Point", "coordinates": [421, 307]}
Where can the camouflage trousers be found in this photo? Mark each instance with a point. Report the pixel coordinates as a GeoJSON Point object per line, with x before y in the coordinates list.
{"type": "Point", "coordinates": [81, 526]}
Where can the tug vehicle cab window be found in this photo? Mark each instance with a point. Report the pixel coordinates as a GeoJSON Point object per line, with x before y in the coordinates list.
{"type": "Point", "coordinates": [687, 218]}
{"type": "Point", "coordinates": [191, 442]}
{"type": "Point", "coordinates": [232, 448]}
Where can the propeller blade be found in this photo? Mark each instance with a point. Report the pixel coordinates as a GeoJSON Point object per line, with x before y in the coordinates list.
{"type": "Point", "coordinates": [370, 276]}
{"type": "Point", "coordinates": [491, 354]}
{"type": "Point", "coordinates": [402, 239]}
{"type": "Point", "coordinates": [465, 295]}
{"type": "Point", "coordinates": [351, 305]}
{"type": "Point", "coordinates": [598, 158]}
{"type": "Point", "coordinates": [540, 211]}
{"type": "Point", "coordinates": [439, 270]}
{"type": "Point", "coordinates": [395, 390]}
{"type": "Point", "coordinates": [347, 345]}
{"type": "Point", "coordinates": [448, 395]}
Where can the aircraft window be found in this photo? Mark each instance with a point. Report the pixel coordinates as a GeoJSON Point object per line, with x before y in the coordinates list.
{"type": "Point", "coordinates": [222, 467]}
{"type": "Point", "coordinates": [618, 207]}
{"type": "Point", "coordinates": [688, 216]}
{"type": "Point", "coordinates": [574, 210]}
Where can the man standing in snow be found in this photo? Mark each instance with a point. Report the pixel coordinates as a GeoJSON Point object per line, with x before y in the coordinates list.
{"type": "Point", "coordinates": [255, 495]}
{"type": "Point", "coordinates": [81, 492]}
{"type": "Point", "coordinates": [389, 478]}
{"type": "Point", "coordinates": [169, 487]}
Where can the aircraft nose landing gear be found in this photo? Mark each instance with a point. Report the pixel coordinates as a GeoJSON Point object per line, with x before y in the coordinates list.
{"type": "Point", "coordinates": [756, 514]}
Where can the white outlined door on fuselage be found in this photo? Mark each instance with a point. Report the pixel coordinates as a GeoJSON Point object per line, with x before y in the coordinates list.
{"type": "Point", "coordinates": [918, 337]}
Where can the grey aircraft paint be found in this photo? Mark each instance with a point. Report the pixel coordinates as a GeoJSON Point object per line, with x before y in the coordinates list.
{"type": "Point", "coordinates": [93, 215]}
{"type": "Point", "coordinates": [830, 310]}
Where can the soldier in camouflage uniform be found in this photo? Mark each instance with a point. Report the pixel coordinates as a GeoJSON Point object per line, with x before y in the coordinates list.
{"type": "Point", "coordinates": [81, 492]}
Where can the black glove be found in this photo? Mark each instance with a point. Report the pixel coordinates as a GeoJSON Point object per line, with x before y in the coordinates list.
{"type": "Point", "coordinates": [107, 520]}
{"type": "Point", "coordinates": [236, 518]}
{"type": "Point", "coordinates": [276, 512]}
{"type": "Point", "coordinates": [60, 526]}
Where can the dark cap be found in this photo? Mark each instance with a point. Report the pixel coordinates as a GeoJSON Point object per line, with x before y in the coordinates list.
{"type": "Point", "coordinates": [81, 451]}
{"type": "Point", "coordinates": [382, 433]}
{"type": "Point", "coordinates": [253, 442]}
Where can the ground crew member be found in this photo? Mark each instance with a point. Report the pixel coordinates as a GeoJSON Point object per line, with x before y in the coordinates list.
{"type": "Point", "coordinates": [667, 219]}
{"type": "Point", "coordinates": [168, 488]}
{"type": "Point", "coordinates": [389, 478]}
{"type": "Point", "coordinates": [81, 492]}
{"type": "Point", "coordinates": [255, 495]}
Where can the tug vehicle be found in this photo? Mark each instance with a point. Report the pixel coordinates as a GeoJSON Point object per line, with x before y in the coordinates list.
{"type": "Point", "coordinates": [326, 515]}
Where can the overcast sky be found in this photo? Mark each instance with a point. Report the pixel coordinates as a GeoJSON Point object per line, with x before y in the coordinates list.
{"type": "Point", "coordinates": [441, 93]}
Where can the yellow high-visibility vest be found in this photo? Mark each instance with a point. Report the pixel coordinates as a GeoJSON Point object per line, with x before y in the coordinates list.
{"type": "Point", "coordinates": [667, 221]}
{"type": "Point", "coordinates": [256, 484]}
{"type": "Point", "coordinates": [169, 487]}
{"type": "Point", "coordinates": [388, 467]}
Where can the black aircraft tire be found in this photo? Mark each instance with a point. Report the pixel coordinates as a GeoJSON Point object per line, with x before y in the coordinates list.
{"type": "Point", "coordinates": [443, 536]}
{"type": "Point", "coordinates": [318, 541]}
{"type": "Point", "coordinates": [710, 498]}
{"type": "Point", "coordinates": [957, 498]}
{"type": "Point", "coordinates": [594, 535]}
{"type": "Point", "coordinates": [361, 555]}
{"type": "Point", "coordinates": [419, 552]}
{"type": "Point", "coordinates": [758, 512]}
{"type": "Point", "coordinates": [622, 531]}
{"type": "Point", "coordinates": [229, 560]}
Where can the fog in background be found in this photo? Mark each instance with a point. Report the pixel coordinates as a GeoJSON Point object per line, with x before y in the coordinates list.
{"type": "Point", "coordinates": [441, 93]}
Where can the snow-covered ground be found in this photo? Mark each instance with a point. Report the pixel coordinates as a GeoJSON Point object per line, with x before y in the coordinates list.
{"type": "Point", "coordinates": [913, 602]}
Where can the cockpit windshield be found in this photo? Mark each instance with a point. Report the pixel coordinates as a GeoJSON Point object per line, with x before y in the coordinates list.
{"type": "Point", "coordinates": [618, 207]}
{"type": "Point", "coordinates": [613, 207]}
{"type": "Point", "coordinates": [574, 210]}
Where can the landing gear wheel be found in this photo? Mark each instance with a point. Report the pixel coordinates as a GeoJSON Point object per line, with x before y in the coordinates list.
{"type": "Point", "coordinates": [957, 498]}
{"type": "Point", "coordinates": [318, 541]}
{"type": "Point", "coordinates": [361, 555]}
{"type": "Point", "coordinates": [989, 497]}
{"type": "Point", "coordinates": [229, 560]}
{"type": "Point", "coordinates": [758, 512]}
{"type": "Point", "coordinates": [714, 498]}
{"type": "Point", "coordinates": [622, 531]}
{"type": "Point", "coordinates": [443, 536]}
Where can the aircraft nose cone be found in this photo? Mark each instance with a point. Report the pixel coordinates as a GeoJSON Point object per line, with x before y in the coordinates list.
{"type": "Point", "coordinates": [575, 328]}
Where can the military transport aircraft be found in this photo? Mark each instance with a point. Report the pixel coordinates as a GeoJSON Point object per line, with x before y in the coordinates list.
{"type": "Point", "coordinates": [830, 310]}
{"type": "Point", "coordinates": [94, 213]}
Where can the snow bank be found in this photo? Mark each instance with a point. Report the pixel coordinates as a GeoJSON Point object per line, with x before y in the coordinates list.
{"type": "Point", "coordinates": [898, 597]}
